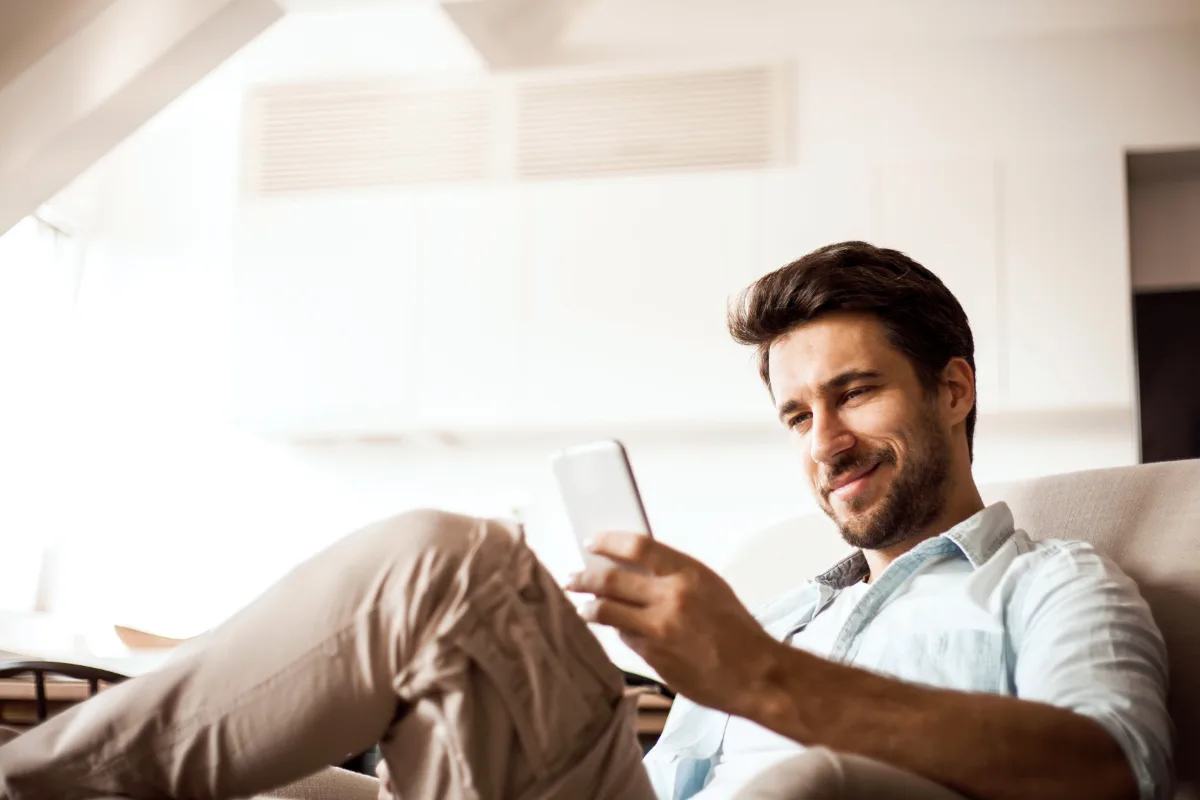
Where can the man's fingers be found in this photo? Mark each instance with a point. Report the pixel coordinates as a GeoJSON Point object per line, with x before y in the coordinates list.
{"type": "Point", "coordinates": [613, 582]}
{"type": "Point", "coordinates": [635, 643]}
{"type": "Point", "coordinates": [625, 618]}
{"type": "Point", "coordinates": [639, 550]}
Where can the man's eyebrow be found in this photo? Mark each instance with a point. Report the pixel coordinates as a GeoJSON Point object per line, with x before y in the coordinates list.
{"type": "Point", "coordinates": [847, 378]}
{"type": "Point", "coordinates": [834, 384]}
{"type": "Point", "coordinates": [789, 408]}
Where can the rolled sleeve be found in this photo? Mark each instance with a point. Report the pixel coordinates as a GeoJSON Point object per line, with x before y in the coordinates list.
{"type": "Point", "coordinates": [1085, 640]}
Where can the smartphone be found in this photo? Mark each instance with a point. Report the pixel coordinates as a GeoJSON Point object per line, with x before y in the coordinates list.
{"type": "Point", "coordinates": [600, 493]}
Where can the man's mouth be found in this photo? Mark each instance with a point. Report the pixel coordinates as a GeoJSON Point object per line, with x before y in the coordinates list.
{"type": "Point", "coordinates": [849, 484]}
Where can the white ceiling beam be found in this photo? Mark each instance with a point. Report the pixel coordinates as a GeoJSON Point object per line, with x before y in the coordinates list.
{"type": "Point", "coordinates": [70, 105]}
{"type": "Point", "coordinates": [511, 34]}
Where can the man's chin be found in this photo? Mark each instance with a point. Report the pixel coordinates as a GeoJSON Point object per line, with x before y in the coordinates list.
{"type": "Point", "coordinates": [862, 539]}
{"type": "Point", "coordinates": [862, 529]}
{"type": "Point", "coordinates": [856, 520]}
{"type": "Point", "coordinates": [855, 512]}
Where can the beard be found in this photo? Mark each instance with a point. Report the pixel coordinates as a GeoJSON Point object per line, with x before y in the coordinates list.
{"type": "Point", "coordinates": [914, 499]}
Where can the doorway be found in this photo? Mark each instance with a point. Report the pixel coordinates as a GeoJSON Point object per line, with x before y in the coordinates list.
{"type": "Point", "coordinates": [1164, 239]}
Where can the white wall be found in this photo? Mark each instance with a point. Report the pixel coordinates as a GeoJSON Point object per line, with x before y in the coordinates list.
{"type": "Point", "coordinates": [176, 518]}
{"type": "Point", "coordinates": [1164, 220]}
{"type": "Point", "coordinates": [1130, 90]}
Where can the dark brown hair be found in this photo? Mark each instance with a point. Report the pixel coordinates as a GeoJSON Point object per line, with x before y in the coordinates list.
{"type": "Point", "coordinates": [922, 318]}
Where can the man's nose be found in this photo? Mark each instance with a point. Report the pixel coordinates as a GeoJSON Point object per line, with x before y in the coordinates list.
{"type": "Point", "coordinates": [830, 438]}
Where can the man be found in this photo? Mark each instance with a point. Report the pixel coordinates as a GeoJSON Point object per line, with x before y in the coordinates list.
{"type": "Point", "coordinates": [950, 654]}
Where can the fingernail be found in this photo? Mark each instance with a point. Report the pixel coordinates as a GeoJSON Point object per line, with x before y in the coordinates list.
{"type": "Point", "coordinates": [572, 580]}
{"type": "Point", "coordinates": [589, 543]}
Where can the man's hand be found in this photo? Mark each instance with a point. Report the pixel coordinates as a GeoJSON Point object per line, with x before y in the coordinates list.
{"type": "Point", "coordinates": [385, 780]}
{"type": "Point", "coordinates": [681, 617]}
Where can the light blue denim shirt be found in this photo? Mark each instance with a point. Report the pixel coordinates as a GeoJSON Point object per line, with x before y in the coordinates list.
{"type": "Point", "coordinates": [981, 608]}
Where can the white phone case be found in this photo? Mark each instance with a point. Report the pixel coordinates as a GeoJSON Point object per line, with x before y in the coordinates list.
{"type": "Point", "coordinates": [599, 491]}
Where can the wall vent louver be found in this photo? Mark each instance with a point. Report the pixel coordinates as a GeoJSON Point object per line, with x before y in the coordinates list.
{"type": "Point", "coordinates": [639, 123]}
{"type": "Point", "coordinates": [387, 133]}
{"type": "Point", "coordinates": [304, 138]}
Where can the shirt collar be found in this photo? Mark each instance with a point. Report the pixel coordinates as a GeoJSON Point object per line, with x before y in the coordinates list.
{"type": "Point", "coordinates": [978, 537]}
{"type": "Point", "coordinates": [981, 535]}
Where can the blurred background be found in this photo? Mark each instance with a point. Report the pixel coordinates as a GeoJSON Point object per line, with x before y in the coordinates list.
{"type": "Point", "coordinates": [277, 268]}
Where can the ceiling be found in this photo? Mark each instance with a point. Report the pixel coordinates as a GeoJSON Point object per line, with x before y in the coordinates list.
{"type": "Point", "coordinates": [817, 18]}
{"type": "Point", "coordinates": [349, 5]}
{"type": "Point", "coordinates": [666, 27]}
{"type": "Point", "coordinates": [77, 76]}
{"type": "Point", "coordinates": [31, 28]}
{"type": "Point", "coordinates": [615, 30]}
{"type": "Point", "coordinates": [591, 31]}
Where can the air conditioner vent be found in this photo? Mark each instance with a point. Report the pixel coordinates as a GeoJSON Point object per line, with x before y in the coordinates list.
{"type": "Point", "coordinates": [638, 123]}
{"type": "Point", "coordinates": [389, 133]}
{"type": "Point", "coordinates": [311, 138]}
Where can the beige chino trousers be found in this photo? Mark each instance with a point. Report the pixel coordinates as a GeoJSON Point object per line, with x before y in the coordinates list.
{"type": "Point", "coordinates": [439, 636]}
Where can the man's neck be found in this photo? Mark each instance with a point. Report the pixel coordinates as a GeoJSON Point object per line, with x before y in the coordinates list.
{"type": "Point", "coordinates": [964, 502]}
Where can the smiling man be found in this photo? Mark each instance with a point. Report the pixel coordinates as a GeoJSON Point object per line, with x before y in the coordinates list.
{"type": "Point", "coordinates": [949, 656]}
{"type": "Point", "coordinates": [951, 645]}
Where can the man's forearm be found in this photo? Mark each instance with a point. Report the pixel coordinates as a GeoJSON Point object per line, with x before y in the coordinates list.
{"type": "Point", "coordinates": [983, 746]}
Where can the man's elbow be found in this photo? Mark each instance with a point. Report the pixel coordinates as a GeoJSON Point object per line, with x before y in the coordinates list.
{"type": "Point", "coordinates": [1108, 773]}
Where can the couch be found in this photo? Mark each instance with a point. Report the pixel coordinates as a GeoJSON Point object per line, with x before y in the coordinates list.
{"type": "Point", "coordinates": [1146, 518]}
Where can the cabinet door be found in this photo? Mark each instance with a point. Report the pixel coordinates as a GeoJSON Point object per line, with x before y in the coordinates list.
{"type": "Point", "coordinates": [1066, 298]}
{"type": "Point", "coordinates": [469, 354]}
{"type": "Point", "coordinates": [628, 283]}
{"type": "Point", "coordinates": [943, 215]}
{"type": "Point", "coordinates": [807, 207]}
{"type": "Point", "coordinates": [323, 315]}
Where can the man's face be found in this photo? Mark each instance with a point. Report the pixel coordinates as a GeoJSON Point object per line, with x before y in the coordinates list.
{"type": "Point", "coordinates": [873, 441]}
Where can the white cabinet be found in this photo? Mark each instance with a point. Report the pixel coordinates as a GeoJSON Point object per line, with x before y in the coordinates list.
{"type": "Point", "coordinates": [627, 287]}
{"type": "Point", "coordinates": [943, 215]}
{"type": "Point", "coordinates": [804, 208]}
{"type": "Point", "coordinates": [601, 303]}
{"type": "Point", "coordinates": [1066, 297]}
{"type": "Point", "coordinates": [469, 354]}
{"type": "Point", "coordinates": [323, 315]}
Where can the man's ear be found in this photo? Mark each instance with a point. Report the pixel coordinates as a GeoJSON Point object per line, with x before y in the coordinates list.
{"type": "Point", "coordinates": [958, 379]}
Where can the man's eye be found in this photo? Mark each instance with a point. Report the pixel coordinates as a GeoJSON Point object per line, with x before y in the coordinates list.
{"type": "Point", "coordinates": [853, 393]}
{"type": "Point", "coordinates": [798, 420]}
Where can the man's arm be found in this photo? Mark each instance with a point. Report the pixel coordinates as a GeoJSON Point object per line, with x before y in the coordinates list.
{"type": "Point", "coordinates": [688, 624]}
{"type": "Point", "coordinates": [980, 745]}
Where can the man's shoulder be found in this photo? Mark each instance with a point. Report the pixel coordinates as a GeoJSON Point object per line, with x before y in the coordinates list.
{"type": "Point", "coordinates": [1049, 562]}
{"type": "Point", "coordinates": [1054, 551]}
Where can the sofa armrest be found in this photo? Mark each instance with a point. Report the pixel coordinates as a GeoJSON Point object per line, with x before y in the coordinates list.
{"type": "Point", "coordinates": [821, 774]}
{"type": "Point", "coordinates": [328, 784]}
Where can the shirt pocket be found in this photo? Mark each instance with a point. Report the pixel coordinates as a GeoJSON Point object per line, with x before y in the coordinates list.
{"type": "Point", "coordinates": [966, 659]}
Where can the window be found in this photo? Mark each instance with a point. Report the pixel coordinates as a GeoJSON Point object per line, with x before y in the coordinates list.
{"type": "Point", "coordinates": [39, 279]}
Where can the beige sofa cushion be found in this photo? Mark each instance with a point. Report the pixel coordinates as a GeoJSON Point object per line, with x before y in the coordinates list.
{"type": "Point", "coordinates": [1147, 519]}
{"type": "Point", "coordinates": [328, 784]}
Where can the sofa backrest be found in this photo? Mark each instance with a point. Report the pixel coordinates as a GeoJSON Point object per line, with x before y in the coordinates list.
{"type": "Point", "coordinates": [1147, 519]}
